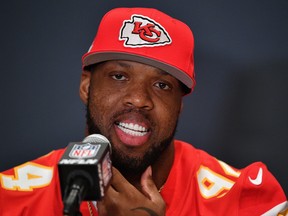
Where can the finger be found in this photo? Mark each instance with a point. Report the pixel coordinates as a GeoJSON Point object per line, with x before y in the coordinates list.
{"type": "Point", "coordinates": [109, 197]}
{"type": "Point", "coordinates": [110, 191]}
{"type": "Point", "coordinates": [148, 186]}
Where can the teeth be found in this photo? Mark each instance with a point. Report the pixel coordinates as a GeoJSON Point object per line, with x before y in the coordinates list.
{"type": "Point", "coordinates": [133, 129]}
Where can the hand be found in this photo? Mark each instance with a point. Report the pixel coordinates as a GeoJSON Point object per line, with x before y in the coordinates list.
{"type": "Point", "coordinates": [123, 199]}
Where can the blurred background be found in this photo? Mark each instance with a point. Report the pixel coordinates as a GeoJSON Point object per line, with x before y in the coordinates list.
{"type": "Point", "coordinates": [238, 111]}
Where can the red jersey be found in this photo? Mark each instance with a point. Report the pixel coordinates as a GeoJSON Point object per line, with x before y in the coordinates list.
{"type": "Point", "coordinates": [198, 184]}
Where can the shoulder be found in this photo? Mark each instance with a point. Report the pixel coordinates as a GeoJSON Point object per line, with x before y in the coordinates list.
{"type": "Point", "coordinates": [29, 182]}
{"type": "Point", "coordinates": [259, 188]}
{"type": "Point", "coordinates": [252, 188]}
{"type": "Point", "coordinates": [199, 158]}
{"type": "Point", "coordinates": [49, 160]}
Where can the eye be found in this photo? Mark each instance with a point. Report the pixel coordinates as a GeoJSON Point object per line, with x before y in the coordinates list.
{"type": "Point", "coordinates": [162, 85]}
{"type": "Point", "coordinates": [120, 77]}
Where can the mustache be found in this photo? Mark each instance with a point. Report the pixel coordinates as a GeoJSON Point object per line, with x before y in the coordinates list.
{"type": "Point", "coordinates": [132, 110]}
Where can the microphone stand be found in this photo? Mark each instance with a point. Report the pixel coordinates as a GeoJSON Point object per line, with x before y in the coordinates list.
{"type": "Point", "coordinates": [74, 196]}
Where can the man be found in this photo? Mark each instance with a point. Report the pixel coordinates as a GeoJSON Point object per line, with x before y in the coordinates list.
{"type": "Point", "coordinates": [135, 74]}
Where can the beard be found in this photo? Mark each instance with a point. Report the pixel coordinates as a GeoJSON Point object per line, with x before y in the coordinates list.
{"type": "Point", "coordinates": [131, 165]}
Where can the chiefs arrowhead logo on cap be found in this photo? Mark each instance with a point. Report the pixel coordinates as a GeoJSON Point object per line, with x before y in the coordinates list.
{"type": "Point", "coordinates": [142, 31]}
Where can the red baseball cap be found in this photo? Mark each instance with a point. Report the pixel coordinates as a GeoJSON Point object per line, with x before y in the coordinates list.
{"type": "Point", "coordinates": [147, 36]}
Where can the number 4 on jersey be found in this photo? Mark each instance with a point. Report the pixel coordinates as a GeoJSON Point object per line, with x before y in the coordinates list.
{"type": "Point", "coordinates": [27, 177]}
{"type": "Point", "coordinates": [212, 184]}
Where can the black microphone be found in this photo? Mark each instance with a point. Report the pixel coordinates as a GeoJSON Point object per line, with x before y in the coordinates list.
{"type": "Point", "coordinates": [85, 171]}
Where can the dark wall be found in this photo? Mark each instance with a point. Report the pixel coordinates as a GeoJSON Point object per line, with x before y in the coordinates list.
{"type": "Point", "coordinates": [238, 111]}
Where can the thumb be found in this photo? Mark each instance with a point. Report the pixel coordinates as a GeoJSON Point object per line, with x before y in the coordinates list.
{"type": "Point", "coordinates": [148, 186]}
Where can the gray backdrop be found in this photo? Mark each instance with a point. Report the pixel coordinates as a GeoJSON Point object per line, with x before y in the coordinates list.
{"type": "Point", "coordinates": [237, 113]}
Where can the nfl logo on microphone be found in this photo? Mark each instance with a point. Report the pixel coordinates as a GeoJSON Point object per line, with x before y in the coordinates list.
{"type": "Point", "coordinates": [86, 150]}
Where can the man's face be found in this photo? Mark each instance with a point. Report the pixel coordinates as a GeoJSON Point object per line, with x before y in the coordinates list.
{"type": "Point", "coordinates": [136, 107]}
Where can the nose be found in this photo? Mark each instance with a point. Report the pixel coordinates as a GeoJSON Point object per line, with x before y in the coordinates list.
{"type": "Point", "coordinates": [138, 96]}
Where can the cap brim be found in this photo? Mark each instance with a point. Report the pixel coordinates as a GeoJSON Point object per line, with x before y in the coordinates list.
{"type": "Point", "coordinates": [94, 58]}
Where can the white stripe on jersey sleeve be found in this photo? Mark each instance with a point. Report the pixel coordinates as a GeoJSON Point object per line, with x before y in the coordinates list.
{"type": "Point", "coordinates": [277, 209]}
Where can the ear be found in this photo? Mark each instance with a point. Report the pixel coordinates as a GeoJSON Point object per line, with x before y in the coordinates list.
{"type": "Point", "coordinates": [84, 86]}
{"type": "Point", "coordinates": [182, 106]}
